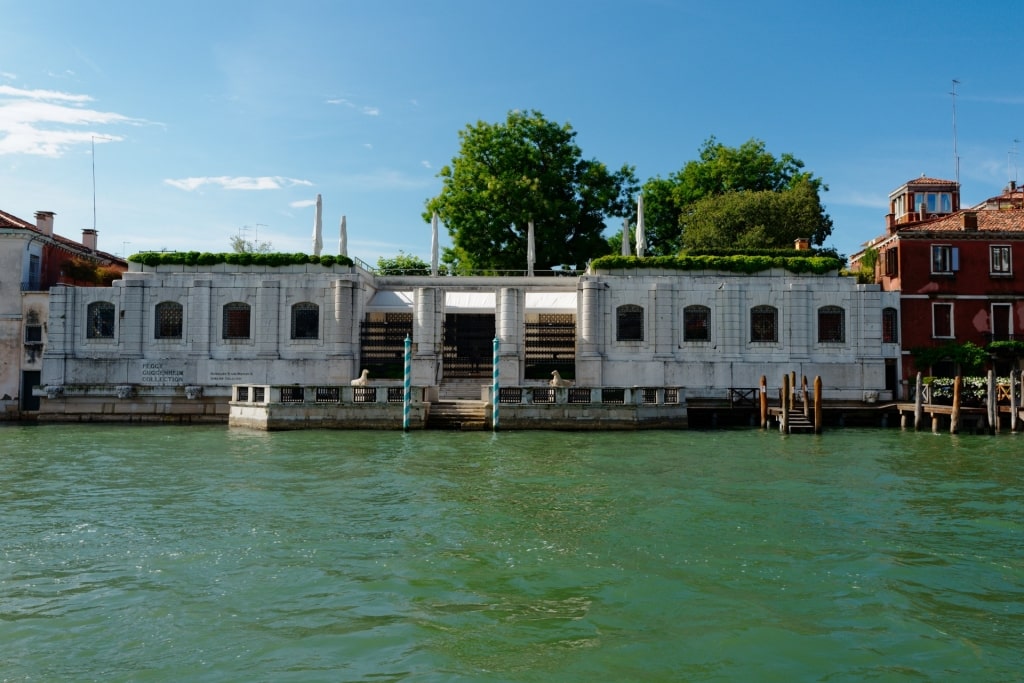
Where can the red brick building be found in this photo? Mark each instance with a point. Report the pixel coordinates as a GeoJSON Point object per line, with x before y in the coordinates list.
{"type": "Point", "coordinates": [960, 272]}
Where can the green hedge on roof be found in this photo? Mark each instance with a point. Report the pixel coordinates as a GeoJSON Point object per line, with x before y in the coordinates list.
{"type": "Point", "coordinates": [195, 258]}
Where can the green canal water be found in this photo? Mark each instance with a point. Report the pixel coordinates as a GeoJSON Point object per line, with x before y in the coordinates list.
{"type": "Point", "coordinates": [214, 554]}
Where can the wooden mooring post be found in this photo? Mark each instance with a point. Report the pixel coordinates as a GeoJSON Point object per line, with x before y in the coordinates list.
{"type": "Point", "coordinates": [1014, 403]}
{"type": "Point", "coordinates": [764, 401]}
{"type": "Point", "coordinates": [919, 404]}
{"type": "Point", "coordinates": [954, 416]}
{"type": "Point", "coordinates": [817, 405]}
{"type": "Point", "coordinates": [786, 404]}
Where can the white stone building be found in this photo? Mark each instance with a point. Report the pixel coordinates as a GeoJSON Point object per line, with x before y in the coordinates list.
{"type": "Point", "coordinates": [168, 342]}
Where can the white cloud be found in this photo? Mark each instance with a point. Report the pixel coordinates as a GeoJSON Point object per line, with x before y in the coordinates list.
{"type": "Point", "coordinates": [49, 122]}
{"type": "Point", "coordinates": [365, 109]}
{"type": "Point", "coordinates": [302, 203]}
{"type": "Point", "coordinates": [426, 164]}
{"type": "Point", "coordinates": [236, 182]}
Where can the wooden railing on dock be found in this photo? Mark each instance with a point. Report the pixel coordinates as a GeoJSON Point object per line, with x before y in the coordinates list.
{"type": "Point", "coordinates": [1000, 399]}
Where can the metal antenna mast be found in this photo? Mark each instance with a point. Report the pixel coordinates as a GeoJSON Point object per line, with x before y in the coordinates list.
{"type": "Point", "coordinates": [956, 154]}
{"type": "Point", "coordinates": [93, 138]}
{"type": "Point", "coordinates": [1011, 161]}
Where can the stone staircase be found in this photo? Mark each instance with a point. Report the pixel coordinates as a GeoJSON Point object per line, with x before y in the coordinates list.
{"type": "Point", "coordinates": [798, 424]}
{"type": "Point", "coordinates": [458, 415]}
{"type": "Point", "coordinates": [463, 389]}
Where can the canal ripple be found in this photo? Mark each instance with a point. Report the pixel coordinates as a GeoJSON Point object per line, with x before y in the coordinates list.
{"type": "Point", "coordinates": [212, 554]}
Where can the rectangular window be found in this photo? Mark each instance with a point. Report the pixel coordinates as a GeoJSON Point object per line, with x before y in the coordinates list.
{"type": "Point", "coordinates": [945, 259]}
{"type": "Point", "coordinates": [942, 320]}
{"type": "Point", "coordinates": [764, 324]}
{"type": "Point", "coordinates": [168, 323]}
{"type": "Point", "coordinates": [34, 273]}
{"type": "Point", "coordinates": [831, 325]}
{"type": "Point", "coordinates": [100, 320]}
{"type": "Point", "coordinates": [892, 262]}
{"type": "Point", "coordinates": [999, 258]}
{"type": "Point", "coordinates": [629, 323]}
{"type": "Point", "coordinates": [33, 334]}
{"type": "Point", "coordinates": [1002, 322]}
{"type": "Point", "coordinates": [305, 321]}
{"type": "Point", "coordinates": [695, 324]}
{"type": "Point", "coordinates": [890, 326]}
{"type": "Point", "coordinates": [236, 321]}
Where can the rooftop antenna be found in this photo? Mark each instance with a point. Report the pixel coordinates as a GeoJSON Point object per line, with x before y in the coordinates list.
{"type": "Point", "coordinates": [1011, 161]}
{"type": "Point", "coordinates": [93, 138]}
{"type": "Point", "coordinates": [956, 154]}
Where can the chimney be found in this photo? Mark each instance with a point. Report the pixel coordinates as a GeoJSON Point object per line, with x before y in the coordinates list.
{"type": "Point", "coordinates": [89, 238]}
{"type": "Point", "coordinates": [802, 244]}
{"type": "Point", "coordinates": [970, 221]}
{"type": "Point", "coordinates": [44, 221]}
{"type": "Point", "coordinates": [1013, 186]}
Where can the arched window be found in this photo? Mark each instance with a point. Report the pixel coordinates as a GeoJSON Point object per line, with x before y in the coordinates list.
{"type": "Point", "coordinates": [696, 323]}
{"type": "Point", "coordinates": [890, 326]}
{"type": "Point", "coordinates": [305, 321]}
{"type": "Point", "coordinates": [236, 321]}
{"type": "Point", "coordinates": [168, 319]}
{"type": "Point", "coordinates": [100, 320]}
{"type": "Point", "coordinates": [831, 325]}
{"type": "Point", "coordinates": [764, 324]}
{"type": "Point", "coordinates": [629, 323]}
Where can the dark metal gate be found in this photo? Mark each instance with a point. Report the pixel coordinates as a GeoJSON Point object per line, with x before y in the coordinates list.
{"type": "Point", "coordinates": [468, 344]}
{"type": "Point", "coordinates": [550, 345]}
{"type": "Point", "coordinates": [382, 345]}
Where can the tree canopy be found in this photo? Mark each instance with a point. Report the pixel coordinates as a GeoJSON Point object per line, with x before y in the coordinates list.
{"type": "Point", "coordinates": [740, 196]}
{"type": "Point", "coordinates": [527, 168]}
{"type": "Point", "coordinates": [402, 264]}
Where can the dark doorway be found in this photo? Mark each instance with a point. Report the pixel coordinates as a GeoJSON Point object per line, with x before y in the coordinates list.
{"type": "Point", "coordinates": [891, 378]}
{"type": "Point", "coordinates": [468, 344]}
{"type": "Point", "coordinates": [29, 379]}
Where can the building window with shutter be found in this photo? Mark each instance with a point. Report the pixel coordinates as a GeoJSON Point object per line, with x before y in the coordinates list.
{"type": "Point", "coordinates": [999, 260]}
{"type": "Point", "coordinates": [945, 259]}
{"type": "Point", "coordinates": [892, 262]}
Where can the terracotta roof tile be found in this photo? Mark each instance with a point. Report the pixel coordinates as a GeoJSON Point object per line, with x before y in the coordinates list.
{"type": "Point", "coordinates": [1010, 220]}
{"type": "Point", "coordinates": [925, 180]}
{"type": "Point", "coordinates": [10, 221]}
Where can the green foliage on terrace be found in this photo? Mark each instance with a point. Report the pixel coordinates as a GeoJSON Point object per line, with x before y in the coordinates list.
{"type": "Point", "coordinates": [1007, 349]}
{"type": "Point", "coordinates": [195, 258]}
{"type": "Point", "coordinates": [968, 357]}
{"type": "Point", "coordinates": [735, 263]}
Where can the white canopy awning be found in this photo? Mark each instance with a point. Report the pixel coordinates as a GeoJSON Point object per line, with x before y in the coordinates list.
{"type": "Point", "coordinates": [469, 302]}
{"type": "Point", "coordinates": [551, 302]}
{"type": "Point", "coordinates": [457, 301]}
{"type": "Point", "coordinates": [388, 300]}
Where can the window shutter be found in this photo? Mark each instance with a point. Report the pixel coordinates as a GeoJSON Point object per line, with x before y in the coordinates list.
{"type": "Point", "coordinates": [956, 259]}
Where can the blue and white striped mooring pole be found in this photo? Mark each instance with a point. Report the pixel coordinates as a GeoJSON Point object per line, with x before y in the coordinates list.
{"type": "Point", "coordinates": [407, 387]}
{"type": "Point", "coordinates": [495, 386]}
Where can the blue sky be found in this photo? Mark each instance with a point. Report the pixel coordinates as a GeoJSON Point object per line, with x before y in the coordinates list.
{"type": "Point", "coordinates": [217, 118]}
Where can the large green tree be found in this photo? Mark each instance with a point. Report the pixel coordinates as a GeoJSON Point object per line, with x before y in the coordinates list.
{"type": "Point", "coordinates": [527, 168]}
{"type": "Point", "coordinates": [728, 182]}
{"type": "Point", "coordinates": [749, 219]}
